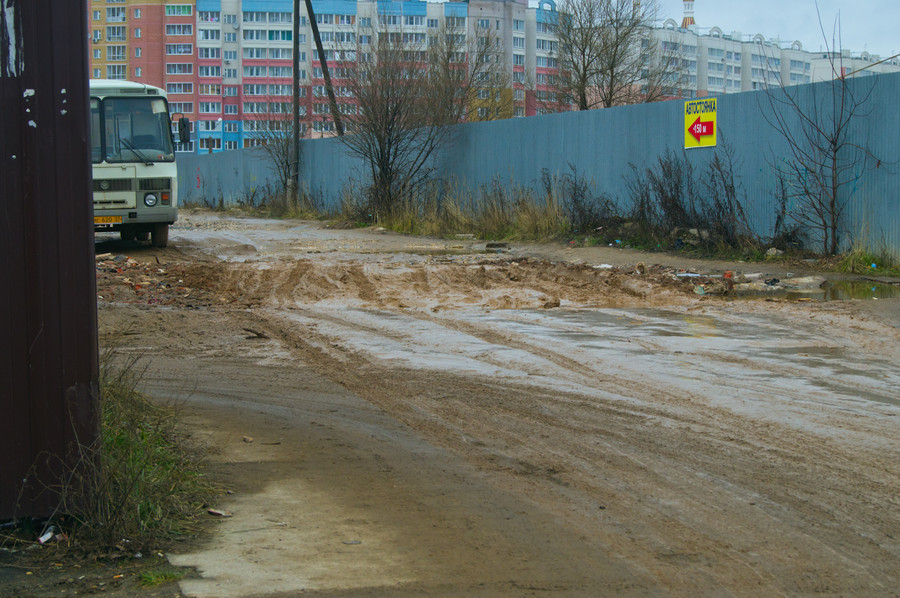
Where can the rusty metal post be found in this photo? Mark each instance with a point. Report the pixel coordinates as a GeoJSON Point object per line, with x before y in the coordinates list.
{"type": "Point", "coordinates": [48, 300]}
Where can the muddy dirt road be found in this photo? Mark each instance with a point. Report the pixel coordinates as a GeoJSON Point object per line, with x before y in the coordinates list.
{"type": "Point", "coordinates": [408, 417]}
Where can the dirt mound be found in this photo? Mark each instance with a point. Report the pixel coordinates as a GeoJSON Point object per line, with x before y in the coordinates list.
{"type": "Point", "coordinates": [493, 284]}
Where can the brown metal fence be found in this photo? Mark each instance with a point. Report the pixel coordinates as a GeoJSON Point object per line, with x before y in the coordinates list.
{"type": "Point", "coordinates": [48, 339]}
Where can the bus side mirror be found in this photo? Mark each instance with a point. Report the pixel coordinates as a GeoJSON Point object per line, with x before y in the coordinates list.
{"type": "Point", "coordinates": [184, 130]}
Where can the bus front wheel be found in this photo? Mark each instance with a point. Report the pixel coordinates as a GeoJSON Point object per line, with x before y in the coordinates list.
{"type": "Point", "coordinates": [160, 235]}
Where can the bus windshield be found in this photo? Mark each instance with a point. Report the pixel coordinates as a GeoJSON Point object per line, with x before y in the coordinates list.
{"type": "Point", "coordinates": [130, 130]}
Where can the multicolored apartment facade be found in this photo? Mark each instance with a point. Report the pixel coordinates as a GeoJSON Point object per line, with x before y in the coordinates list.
{"type": "Point", "coordinates": [227, 64]}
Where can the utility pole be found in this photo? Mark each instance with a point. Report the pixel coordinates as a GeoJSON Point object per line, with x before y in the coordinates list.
{"type": "Point", "coordinates": [323, 60]}
{"type": "Point", "coordinates": [48, 300]}
{"type": "Point", "coordinates": [295, 170]}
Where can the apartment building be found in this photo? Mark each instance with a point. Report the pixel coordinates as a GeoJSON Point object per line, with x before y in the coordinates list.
{"type": "Point", "coordinates": [716, 63]}
{"type": "Point", "coordinates": [228, 64]}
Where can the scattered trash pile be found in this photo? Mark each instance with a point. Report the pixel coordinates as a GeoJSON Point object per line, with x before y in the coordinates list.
{"type": "Point", "coordinates": [121, 279]}
{"type": "Point", "coordinates": [757, 284]}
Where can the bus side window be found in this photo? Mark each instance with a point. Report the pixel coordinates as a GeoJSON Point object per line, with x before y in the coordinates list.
{"type": "Point", "coordinates": [96, 136]}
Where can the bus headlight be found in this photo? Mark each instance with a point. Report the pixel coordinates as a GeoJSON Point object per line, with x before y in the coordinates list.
{"type": "Point", "coordinates": [150, 200]}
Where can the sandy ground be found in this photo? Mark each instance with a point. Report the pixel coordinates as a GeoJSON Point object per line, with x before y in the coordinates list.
{"type": "Point", "coordinates": [409, 417]}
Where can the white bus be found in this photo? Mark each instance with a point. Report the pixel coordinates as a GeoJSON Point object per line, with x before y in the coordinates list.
{"type": "Point", "coordinates": [133, 157]}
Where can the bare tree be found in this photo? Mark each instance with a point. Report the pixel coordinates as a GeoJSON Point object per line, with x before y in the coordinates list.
{"type": "Point", "coordinates": [823, 163]}
{"type": "Point", "coordinates": [489, 84]}
{"type": "Point", "coordinates": [608, 55]}
{"type": "Point", "coordinates": [407, 90]}
{"type": "Point", "coordinates": [272, 132]}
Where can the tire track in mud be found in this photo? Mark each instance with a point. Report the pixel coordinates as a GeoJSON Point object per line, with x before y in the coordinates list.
{"type": "Point", "coordinates": [697, 494]}
{"type": "Point", "coordinates": [704, 498]}
{"type": "Point", "coordinates": [645, 452]}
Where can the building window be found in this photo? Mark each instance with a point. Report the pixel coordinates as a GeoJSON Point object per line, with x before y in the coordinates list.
{"type": "Point", "coordinates": [209, 71]}
{"type": "Point", "coordinates": [209, 52]}
{"type": "Point", "coordinates": [255, 107]}
{"type": "Point", "coordinates": [231, 38]}
{"type": "Point", "coordinates": [97, 53]}
{"type": "Point", "coordinates": [115, 15]}
{"type": "Point", "coordinates": [179, 88]}
{"type": "Point", "coordinates": [207, 35]}
{"type": "Point", "coordinates": [137, 33]}
{"type": "Point", "coordinates": [230, 19]}
{"type": "Point", "coordinates": [519, 42]}
{"type": "Point", "coordinates": [229, 54]}
{"type": "Point", "coordinates": [180, 69]}
{"type": "Point", "coordinates": [365, 22]}
{"type": "Point", "coordinates": [231, 73]}
{"type": "Point", "coordinates": [210, 107]}
{"type": "Point", "coordinates": [281, 53]}
{"type": "Point", "coordinates": [230, 126]}
{"type": "Point", "coordinates": [115, 53]}
{"type": "Point", "coordinates": [137, 13]}
{"type": "Point", "coordinates": [179, 29]}
{"type": "Point", "coordinates": [211, 143]}
{"type": "Point", "coordinates": [96, 74]}
{"type": "Point", "coordinates": [183, 107]}
{"type": "Point", "coordinates": [254, 17]}
{"type": "Point", "coordinates": [179, 10]}
{"type": "Point", "coordinates": [208, 16]}
{"type": "Point", "coordinates": [116, 34]}
{"type": "Point", "coordinates": [210, 89]}
{"type": "Point", "coordinates": [518, 60]}
{"type": "Point", "coordinates": [179, 49]}
{"type": "Point", "coordinates": [231, 91]}
{"type": "Point", "coordinates": [255, 90]}
{"type": "Point", "coordinates": [230, 144]}
{"type": "Point", "coordinates": [231, 108]}
{"type": "Point", "coordinates": [547, 45]}
{"type": "Point", "coordinates": [281, 35]}
{"type": "Point", "coordinates": [433, 23]}
{"type": "Point", "coordinates": [138, 72]}
{"type": "Point", "coordinates": [96, 15]}
{"type": "Point", "coordinates": [115, 71]}
{"type": "Point", "coordinates": [138, 52]}
{"type": "Point", "coordinates": [254, 71]}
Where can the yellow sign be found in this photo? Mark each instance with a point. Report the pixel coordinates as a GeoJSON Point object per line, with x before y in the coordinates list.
{"type": "Point", "coordinates": [700, 123]}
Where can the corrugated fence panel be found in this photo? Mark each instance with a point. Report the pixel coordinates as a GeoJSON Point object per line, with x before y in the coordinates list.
{"type": "Point", "coordinates": [603, 146]}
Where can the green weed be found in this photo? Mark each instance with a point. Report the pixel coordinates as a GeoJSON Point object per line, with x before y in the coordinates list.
{"type": "Point", "coordinates": [157, 577]}
{"type": "Point", "coordinates": [143, 480]}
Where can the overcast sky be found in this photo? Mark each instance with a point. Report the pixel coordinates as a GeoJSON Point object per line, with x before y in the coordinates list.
{"type": "Point", "coordinates": [866, 25]}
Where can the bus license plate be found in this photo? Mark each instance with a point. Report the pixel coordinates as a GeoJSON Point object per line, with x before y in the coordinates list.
{"type": "Point", "coordinates": [107, 220]}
